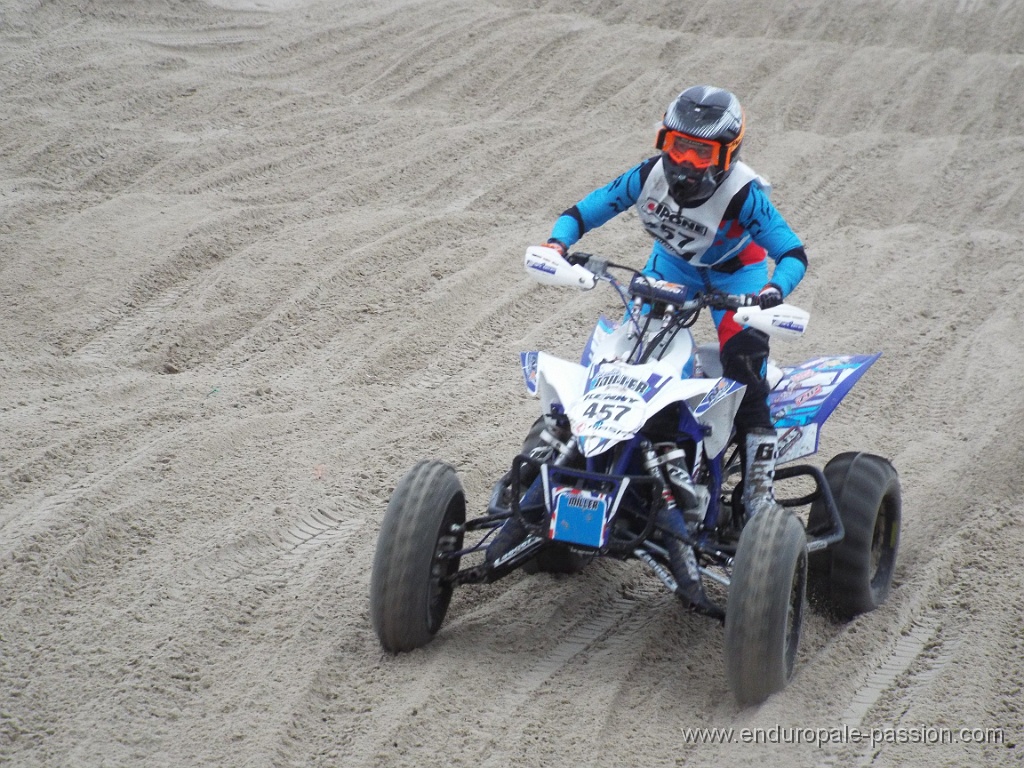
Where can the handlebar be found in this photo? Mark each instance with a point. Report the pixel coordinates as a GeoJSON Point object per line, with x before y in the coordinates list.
{"type": "Point", "coordinates": [663, 292]}
{"type": "Point", "coordinates": [647, 299]}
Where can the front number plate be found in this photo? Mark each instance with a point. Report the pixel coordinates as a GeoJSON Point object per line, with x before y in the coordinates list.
{"type": "Point", "coordinates": [580, 517]}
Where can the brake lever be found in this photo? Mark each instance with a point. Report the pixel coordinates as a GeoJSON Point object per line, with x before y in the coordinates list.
{"type": "Point", "coordinates": [598, 266]}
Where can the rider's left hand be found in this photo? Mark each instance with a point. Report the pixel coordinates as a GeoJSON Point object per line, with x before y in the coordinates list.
{"type": "Point", "coordinates": [769, 296]}
{"type": "Point", "coordinates": [558, 246]}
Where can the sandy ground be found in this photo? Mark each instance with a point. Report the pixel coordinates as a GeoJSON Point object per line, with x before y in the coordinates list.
{"type": "Point", "coordinates": [259, 257]}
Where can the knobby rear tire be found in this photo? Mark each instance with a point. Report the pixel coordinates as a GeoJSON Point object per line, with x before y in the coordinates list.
{"type": "Point", "coordinates": [765, 608]}
{"type": "Point", "coordinates": [855, 575]}
{"type": "Point", "coordinates": [409, 596]}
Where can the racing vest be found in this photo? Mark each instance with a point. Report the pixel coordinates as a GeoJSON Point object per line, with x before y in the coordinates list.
{"type": "Point", "coordinates": [689, 232]}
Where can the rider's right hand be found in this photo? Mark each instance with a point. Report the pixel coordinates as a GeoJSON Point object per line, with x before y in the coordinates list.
{"type": "Point", "coordinates": [770, 296]}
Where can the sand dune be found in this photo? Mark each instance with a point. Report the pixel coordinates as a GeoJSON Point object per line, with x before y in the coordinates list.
{"type": "Point", "coordinates": [257, 257]}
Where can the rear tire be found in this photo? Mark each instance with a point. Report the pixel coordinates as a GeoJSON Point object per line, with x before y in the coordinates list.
{"type": "Point", "coordinates": [765, 609]}
{"type": "Point", "coordinates": [855, 575]}
{"type": "Point", "coordinates": [409, 594]}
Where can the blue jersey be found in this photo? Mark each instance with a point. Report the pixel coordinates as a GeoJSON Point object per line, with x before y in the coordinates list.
{"type": "Point", "coordinates": [745, 216]}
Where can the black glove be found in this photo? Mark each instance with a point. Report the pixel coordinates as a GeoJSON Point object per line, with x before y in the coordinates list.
{"type": "Point", "coordinates": [769, 296]}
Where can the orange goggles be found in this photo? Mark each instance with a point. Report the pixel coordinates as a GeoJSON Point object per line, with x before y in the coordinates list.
{"type": "Point", "coordinates": [700, 153]}
{"type": "Point", "coordinates": [681, 148]}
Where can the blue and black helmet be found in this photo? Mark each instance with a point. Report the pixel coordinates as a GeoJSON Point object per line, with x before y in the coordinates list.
{"type": "Point", "coordinates": [700, 139]}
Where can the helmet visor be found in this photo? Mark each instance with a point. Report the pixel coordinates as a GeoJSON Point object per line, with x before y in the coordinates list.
{"type": "Point", "coordinates": [681, 148]}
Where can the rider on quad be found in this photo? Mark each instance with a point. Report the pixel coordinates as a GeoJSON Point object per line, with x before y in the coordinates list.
{"type": "Point", "coordinates": [713, 227]}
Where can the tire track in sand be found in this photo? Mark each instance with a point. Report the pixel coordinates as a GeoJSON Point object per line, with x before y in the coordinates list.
{"type": "Point", "coordinates": [26, 527]}
{"type": "Point", "coordinates": [117, 337]}
{"type": "Point", "coordinates": [603, 619]}
{"type": "Point", "coordinates": [917, 659]}
{"type": "Point", "coordinates": [604, 624]}
{"type": "Point", "coordinates": [280, 553]}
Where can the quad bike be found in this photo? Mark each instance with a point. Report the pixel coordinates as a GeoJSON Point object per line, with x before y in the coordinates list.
{"type": "Point", "coordinates": [645, 414]}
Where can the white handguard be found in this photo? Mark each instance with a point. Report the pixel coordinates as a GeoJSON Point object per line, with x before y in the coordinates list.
{"type": "Point", "coordinates": [784, 320]}
{"type": "Point", "coordinates": [546, 265]}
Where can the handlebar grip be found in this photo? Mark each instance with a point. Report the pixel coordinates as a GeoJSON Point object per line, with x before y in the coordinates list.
{"type": "Point", "coordinates": [731, 301]}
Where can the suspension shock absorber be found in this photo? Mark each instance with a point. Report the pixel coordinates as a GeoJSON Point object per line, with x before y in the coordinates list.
{"type": "Point", "coordinates": [653, 464]}
{"type": "Point", "coordinates": [681, 555]}
{"type": "Point", "coordinates": [672, 462]}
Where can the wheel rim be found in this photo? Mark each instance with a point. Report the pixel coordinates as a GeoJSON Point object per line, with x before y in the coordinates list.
{"type": "Point", "coordinates": [442, 569]}
{"type": "Point", "coordinates": [795, 612]}
{"type": "Point", "coordinates": [883, 546]}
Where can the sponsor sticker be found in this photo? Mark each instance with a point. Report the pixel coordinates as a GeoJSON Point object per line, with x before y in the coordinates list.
{"type": "Point", "coordinates": [579, 517]}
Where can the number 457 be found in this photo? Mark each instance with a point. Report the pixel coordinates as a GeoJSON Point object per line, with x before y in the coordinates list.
{"type": "Point", "coordinates": [606, 412]}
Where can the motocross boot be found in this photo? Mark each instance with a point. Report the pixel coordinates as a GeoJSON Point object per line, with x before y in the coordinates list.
{"type": "Point", "coordinates": [539, 444]}
{"type": "Point", "coordinates": [513, 531]}
{"type": "Point", "coordinates": [759, 471]}
{"type": "Point", "coordinates": [511, 534]}
{"type": "Point", "coordinates": [682, 562]}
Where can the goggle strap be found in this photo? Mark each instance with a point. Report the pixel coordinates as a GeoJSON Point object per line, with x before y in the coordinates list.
{"type": "Point", "coordinates": [730, 148]}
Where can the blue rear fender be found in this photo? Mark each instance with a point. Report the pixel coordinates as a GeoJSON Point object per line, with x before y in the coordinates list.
{"type": "Point", "coordinates": [806, 396]}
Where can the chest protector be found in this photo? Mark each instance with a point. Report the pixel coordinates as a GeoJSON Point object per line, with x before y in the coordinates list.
{"type": "Point", "coordinates": [689, 232]}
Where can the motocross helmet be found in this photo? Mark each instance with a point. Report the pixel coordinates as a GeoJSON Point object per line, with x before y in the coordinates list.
{"type": "Point", "coordinates": [699, 139]}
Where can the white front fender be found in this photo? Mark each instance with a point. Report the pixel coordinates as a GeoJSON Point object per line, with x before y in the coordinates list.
{"type": "Point", "coordinates": [559, 381]}
{"type": "Point", "coordinates": [713, 402]}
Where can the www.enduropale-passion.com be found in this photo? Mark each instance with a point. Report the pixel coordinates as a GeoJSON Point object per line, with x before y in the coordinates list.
{"type": "Point", "coordinates": [844, 734]}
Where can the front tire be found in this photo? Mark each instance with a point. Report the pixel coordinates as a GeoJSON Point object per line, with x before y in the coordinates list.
{"type": "Point", "coordinates": [855, 575]}
{"type": "Point", "coordinates": [765, 609]}
{"type": "Point", "coordinates": [409, 590]}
